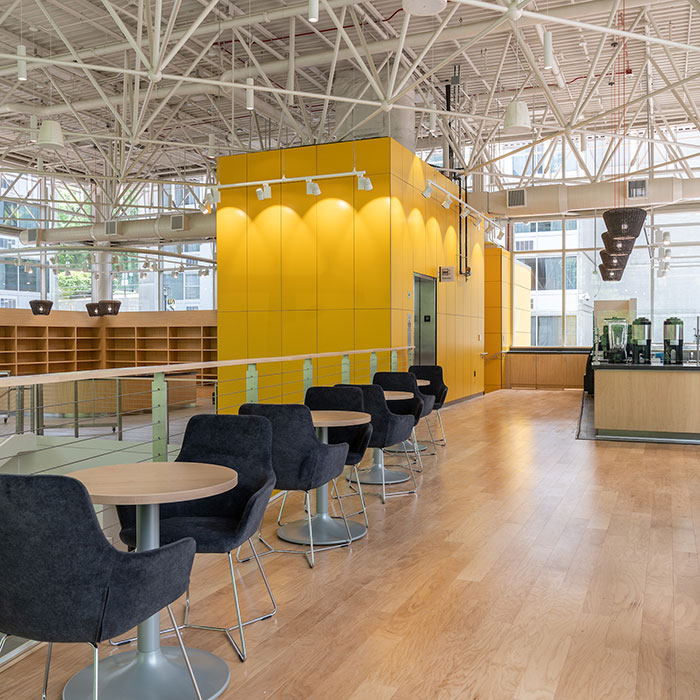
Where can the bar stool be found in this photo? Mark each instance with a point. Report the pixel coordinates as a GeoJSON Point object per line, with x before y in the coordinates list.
{"type": "Point", "coordinates": [344, 398]}
{"type": "Point", "coordinates": [438, 388]}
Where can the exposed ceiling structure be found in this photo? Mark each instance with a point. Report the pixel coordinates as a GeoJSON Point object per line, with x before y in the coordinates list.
{"type": "Point", "coordinates": [153, 91]}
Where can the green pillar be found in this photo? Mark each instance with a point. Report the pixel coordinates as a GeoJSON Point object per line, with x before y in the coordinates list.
{"type": "Point", "coordinates": [308, 374]}
{"type": "Point", "coordinates": [159, 416]}
{"type": "Point", "coordinates": [372, 365]}
{"type": "Point", "coordinates": [394, 361]}
{"type": "Point", "coordinates": [345, 370]}
{"type": "Point", "coordinates": [251, 384]}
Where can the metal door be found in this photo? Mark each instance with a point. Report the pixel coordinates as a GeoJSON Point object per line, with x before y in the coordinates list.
{"type": "Point", "coordinates": [424, 313]}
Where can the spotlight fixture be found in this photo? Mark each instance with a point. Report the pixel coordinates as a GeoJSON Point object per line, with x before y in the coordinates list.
{"type": "Point", "coordinates": [143, 275]}
{"type": "Point", "coordinates": [428, 190]}
{"type": "Point", "coordinates": [146, 265]}
{"type": "Point", "coordinates": [28, 269]}
{"type": "Point", "coordinates": [204, 272]}
{"type": "Point", "coordinates": [215, 195]}
{"type": "Point", "coordinates": [21, 62]}
{"type": "Point", "coordinates": [40, 307]}
{"type": "Point", "coordinates": [109, 307]}
{"type": "Point", "coordinates": [448, 201]}
{"type": "Point", "coordinates": [464, 213]}
{"type": "Point", "coordinates": [93, 309]}
{"type": "Point", "coordinates": [667, 254]}
{"type": "Point", "coordinates": [548, 51]}
{"type": "Point", "coordinates": [52, 259]}
{"type": "Point", "coordinates": [313, 188]}
{"type": "Point", "coordinates": [667, 238]}
{"type": "Point", "coordinates": [249, 95]}
{"type": "Point", "coordinates": [364, 183]}
{"type": "Point", "coordinates": [667, 267]}
{"type": "Point", "coordinates": [181, 268]}
{"type": "Point", "coordinates": [313, 11]}
{"type": "Point", "coordinates": [175, 274]}
{"type": "Point", "coordinates": [264, 192]}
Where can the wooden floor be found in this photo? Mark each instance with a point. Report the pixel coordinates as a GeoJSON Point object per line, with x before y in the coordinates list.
{"type": "Point", "coordinates": [531, 565]}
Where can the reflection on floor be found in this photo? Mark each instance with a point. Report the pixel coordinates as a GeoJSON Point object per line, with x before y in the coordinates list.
{"type": "Point", "coordinates": [531, 565]}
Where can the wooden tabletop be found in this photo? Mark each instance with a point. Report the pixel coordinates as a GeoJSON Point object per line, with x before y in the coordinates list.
{"type": "Point", "coordinates": [148, 483]}
{"type": "Point", "coordinates": [424, 382]}
{"type": "Point", "coordinates": [397, 395]}
{"type": "Point", "coordinates": [338, 419]}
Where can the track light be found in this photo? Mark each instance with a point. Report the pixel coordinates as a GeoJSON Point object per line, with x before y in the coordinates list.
{"type": "Point", "coordinates": [313, 10]}
{"type": "Point", "coordinates": [249, 95]}
{"type": "Point", "coordinates": [667, 238]}
{"type": "Point", "coordinates": [667, 254]}
{"type": "Point", "coordinates": [447, 203]}
{"type": "Point", "coordinates": [175, 274]}
{"type": "Point", "coordinates": [204, 272]}
{"type": "Point", "coordinates": [548, 51]}
{"type": "Point", "coordinates": [264, 192]}
{"type": "Point", "coordinates": [667, 267]}
{"type": "Point", "coordinates": [428, 190]}
{"type": "Point", "coordinates": [500, 234]}
{"type": "Point", "coordinates": [313, 188]}
{"type": "Point", "coordinates": [21, 62]}
{"type": "Point", "coordinates": [146, 265]}
{"type": "Point", "coordinates": [143, 275]}
{"type": "Point", "coordinates": [464, 213]}
{"type": "Point", "coordinates": [181, 268]}
{"type": "Point", "coordinates": [364, 183]}
{"type": "Point", "coordinates": [28, 269]}
{"type": "Point", "coordinates": [215, 195]}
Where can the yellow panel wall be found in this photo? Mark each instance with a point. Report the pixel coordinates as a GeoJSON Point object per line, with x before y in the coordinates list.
{"type": "Point", "coordinates": [498, 305]}
{"type": "Point", "coordinates": [303, 274]}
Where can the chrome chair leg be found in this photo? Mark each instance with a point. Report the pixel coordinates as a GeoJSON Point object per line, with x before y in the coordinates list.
{"type": "Point", "coordinates": [241, 651]}
{"type": "Point", "coordinates": [342, 511]}
{"type": "Point", "coordinates": [362, 496]}
{"type": "Point", "coordinates": [3, 639]}
{"type": "Point", "coordinates": [284, 501]}
{"type": "Point", "coordinates": [95, 671]}
{"type": "Point", "coordinates": [307, 506]}
{"type": "Point", "coordinates": [356, 490]}
{"type": "Point", "coordinates": [443, 442]}
{"type": "Point", "coordinates": [46, 671]}
{"type": "Point", "coordinates": [184, 653]}
{"type": "Point", "coordinates": [432, 439]}
{"type": "Point", "coordinates": [416, 450]}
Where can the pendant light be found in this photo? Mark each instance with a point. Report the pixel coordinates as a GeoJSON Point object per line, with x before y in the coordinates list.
{"type": "Point", "coordinates": [50, 134]}
{"type": "Point", "coordinates": [249, 95]}
{"type": "Point", "coordinates": [313, 11]}
{"type": "Point", "coordinates": [548, 51]}
{"type": "Point", "coordinates": [40, 307]}
{"type": "Point", "coordinates": [517, 118]}
{"type": "Point", "coordinates": [21, 62]}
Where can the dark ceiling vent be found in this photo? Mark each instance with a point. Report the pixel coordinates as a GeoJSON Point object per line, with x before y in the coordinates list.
{"type": "Point", "coordinates": [516, 198]}
{"type": "Point", "coordinates": [637, 189]}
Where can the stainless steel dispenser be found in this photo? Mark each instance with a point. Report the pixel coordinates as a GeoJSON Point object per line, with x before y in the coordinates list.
{"type": "Point", "coordinates": [673, 341]}
{"type": "Point", "coordinates": [615, 339]}
{"type": "Point", "coordinates": [640, 341]}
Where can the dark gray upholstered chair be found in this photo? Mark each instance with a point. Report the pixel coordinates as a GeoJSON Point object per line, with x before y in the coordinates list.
{"type": "Point", "coordinates": [344, 398]}
{"type": "Point", "coordinates": [300, 460]}
{"type": "Point", "coordinates": [388, 428]}
{"type": "Point", "coordinates": [419, 407]}
{"type": "Point", "coordinates": [61, 580]}
{"type": "Point", "coordinates": [438, 388]}
{"type": "Point", "coordinates": [223, 523]}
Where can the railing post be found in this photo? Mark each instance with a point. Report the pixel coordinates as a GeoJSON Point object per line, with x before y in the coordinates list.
{"type": "Point", "coordinates": [159, 417]}
{"type": "Point", "coordinates": [345, 370]}
{"type": "Point", "coordinates": [39, 407]}
{"type": "Point", "coordinates": [372, 365]}
{"type": "Point", "coordinates": [251, 384]}
{"type": "Point", "coordinates": [120, 422]}
{"type": "Point", "coordinates": [19, 411]}
{"type": "Point", "coordinates": [308, 374]}
{"type": "Point", "coordinates": [410, 355]}
{"type": "Point", "coordinates": [76, 418]}
{"type": "Point", "coordinates": [394, 361]}
{"type": "Point", "coordinates": [32, 414]}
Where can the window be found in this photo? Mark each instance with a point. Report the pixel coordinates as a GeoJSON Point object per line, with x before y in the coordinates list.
{"type": "Point", "coordinates": [549, 273]}
{"type": "Point", "coordinates": [525, 245]}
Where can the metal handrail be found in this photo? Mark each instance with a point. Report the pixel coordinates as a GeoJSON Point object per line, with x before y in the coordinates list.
{"type": "Point", "coordinates": [58, 377]}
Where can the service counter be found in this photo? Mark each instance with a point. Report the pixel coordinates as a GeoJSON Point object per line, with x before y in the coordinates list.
{"type": "Point", "coordinates": [656, 402]}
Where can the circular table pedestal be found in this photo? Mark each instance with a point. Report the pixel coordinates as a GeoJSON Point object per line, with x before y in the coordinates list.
{"type": "Point", "coordinates": [394, 449]}
{"type": "Point", "coordinates": [152, 676]}
{"type": "Point", "coordinates": [326, 530]}
{"type": "Point", "coordinates": [373, 476]}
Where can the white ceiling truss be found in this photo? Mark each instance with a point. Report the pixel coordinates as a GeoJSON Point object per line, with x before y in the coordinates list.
{"type": "Point", "coordinates": [150, 92]}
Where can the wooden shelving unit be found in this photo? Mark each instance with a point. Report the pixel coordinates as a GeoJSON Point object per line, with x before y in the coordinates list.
{"type": "Point", "coordinates": [67, 341]}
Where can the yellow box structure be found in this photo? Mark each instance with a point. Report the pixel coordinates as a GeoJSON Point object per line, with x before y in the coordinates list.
{"type": "Point", "coordinates": [300, 274]}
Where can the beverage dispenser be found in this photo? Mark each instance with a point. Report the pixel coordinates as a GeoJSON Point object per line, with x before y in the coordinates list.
{"type": "Point", "coordinates": [673, 341]}
{"type": "Point", "coordinates": [640, 341]}
{"type": "Point", "coordinates": [615, 339]}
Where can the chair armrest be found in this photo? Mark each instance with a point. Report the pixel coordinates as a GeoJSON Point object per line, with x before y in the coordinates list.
{"type": "Point", "coordinates": [143, 583]}
{"type": "Point", "coordinates": [330, 464]}
{"type": "Point", "coordinates": [254, 512]}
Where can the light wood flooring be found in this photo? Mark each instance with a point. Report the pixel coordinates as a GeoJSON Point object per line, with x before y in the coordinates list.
{"type": "Point", "coordinates": [531, 565]}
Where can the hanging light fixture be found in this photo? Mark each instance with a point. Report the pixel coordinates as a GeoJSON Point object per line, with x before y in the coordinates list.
{"type": "Point", "coordinates": [264, 192]}
{"type": "Point", "coordinates": [428, 190]}
{"type": "Point", "coordinates": [313, 11]}
{"type": "Point", "coordinates": [464, 213]}
{"type": "Point", "coordinates": [667, 238]}
{"type": "Point", "coordinates": [40, 307]}
{"type": "Point", "coordinates": [313, 188]}
{"type": "Point", "coordinates": [93, 309]}
{"type": "Point", "coordinates": [448, 201]}
{"type": "Point", "coordinates": [517, 118]}
{"type": "Point", "coordinates": [548, 51]}
{"type": "Point", "coordinates": [21, 62]}
{"type": "Point", "coordinates": [109, 307]}
{"type": "Point", "coordinates": [50, 134]}
{"type": "Point", "coordinates": [249, 95]}
{"type": "Point", "coordinates": [364, 183]}
{"type": "Point", "coordinates": [667, 254]}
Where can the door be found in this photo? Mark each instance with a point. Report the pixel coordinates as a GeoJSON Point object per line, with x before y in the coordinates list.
{"type": "Point", "coordinates": [425, 319]}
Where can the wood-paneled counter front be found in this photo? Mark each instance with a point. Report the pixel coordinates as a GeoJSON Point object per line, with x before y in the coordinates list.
{"type": "Point", "coordinates": [648, 401]}
{"type": "Point", "coordinates": [545, 369]}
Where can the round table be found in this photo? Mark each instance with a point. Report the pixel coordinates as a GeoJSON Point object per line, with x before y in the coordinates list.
{"type": "Point", "coordinates": [326, 529]}
{"type": "Point", "coordinates": [397, 395]}
{"type": "Point", "coordinates": [153, 671]}
{"type": "Point", "coordinates": [423, 382]}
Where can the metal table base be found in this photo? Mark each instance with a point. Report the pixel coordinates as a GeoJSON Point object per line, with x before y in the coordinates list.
{"type": "Point", "coordinates": [151, 672]}
{"type": "Point", "coordinates": [326, 529]}
{"type": "Point", "coordinates": [373, 476]}
{"type": "Point", "coordinates": [398, 449]}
